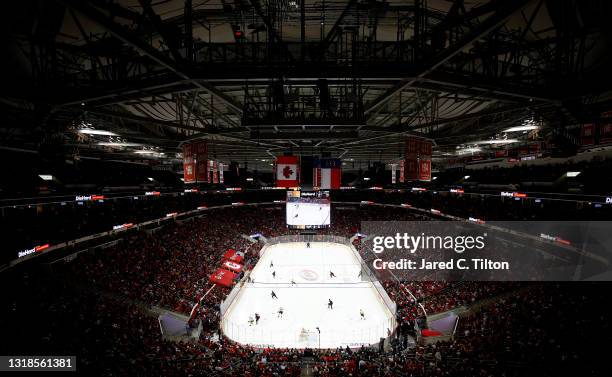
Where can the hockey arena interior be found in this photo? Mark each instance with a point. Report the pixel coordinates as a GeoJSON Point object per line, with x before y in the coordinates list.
{"type": "Point", "coordinates": [306, 187]}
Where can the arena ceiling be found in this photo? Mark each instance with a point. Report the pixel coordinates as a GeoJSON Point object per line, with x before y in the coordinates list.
{"type": "Point", "coordinates": [345, 78]}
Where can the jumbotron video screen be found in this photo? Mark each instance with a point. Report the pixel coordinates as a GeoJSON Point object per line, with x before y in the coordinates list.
{"type": "Point", "coordinates": [308, 209]}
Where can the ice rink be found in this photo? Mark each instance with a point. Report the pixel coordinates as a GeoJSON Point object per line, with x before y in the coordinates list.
{"type": "Point", "coordinates": [305, 301]}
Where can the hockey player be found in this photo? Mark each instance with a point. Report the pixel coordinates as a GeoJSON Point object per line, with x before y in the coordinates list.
{"type": "Point", "coordinates": [330, 304]}
{"type": "Point", "coordinates": [274, 274]}
{"type": "Point", "coordinates": [257, 318]}
{"type": "Point", "coordinates": [308, 245]}
{"type": "Point", "coordinates": [331, 274]}
{"type": "Point", "coordinates": [293, 282]}
{"type": "Point", "coordinates": [271, 264]}
{"type": "Point", "coordinates": [251, 320]}
{"type": "Point", "coordinates": [274, 295]}
{"type": "Point", "coordinates": [280, 312]}
{"type": "Point", "coordinates": [362, 314]}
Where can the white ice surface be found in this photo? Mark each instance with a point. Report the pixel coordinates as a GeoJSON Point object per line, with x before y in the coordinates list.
{"type": "Point", "coordinates": [308, 214]}
{"type": "Point", "coordinates": [305, 302]}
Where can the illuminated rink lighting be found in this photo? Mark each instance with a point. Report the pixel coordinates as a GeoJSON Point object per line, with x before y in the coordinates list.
{"type": "Point", "coordinates": [305, 302]}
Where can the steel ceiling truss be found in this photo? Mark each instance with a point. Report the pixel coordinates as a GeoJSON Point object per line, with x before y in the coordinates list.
{"type": "Point", "coordinates": [145, 63]}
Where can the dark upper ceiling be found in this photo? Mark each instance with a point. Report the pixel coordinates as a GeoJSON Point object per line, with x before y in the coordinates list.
{"type": "Point", "coordinates": [259, 78]}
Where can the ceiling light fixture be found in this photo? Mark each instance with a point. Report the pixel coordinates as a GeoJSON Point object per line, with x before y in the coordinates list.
{"type": "Point", "coordinates": [521, 128]}
{"type": "Point", "coordinates": [118, 144]}
{"type": "Point", "coordinates": [91, 131]}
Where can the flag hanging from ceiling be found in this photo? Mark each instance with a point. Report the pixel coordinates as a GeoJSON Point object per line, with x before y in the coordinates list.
{"type": "Point", "coordinates": [327, 173]}
{"type": "Point", "coordinates": [287, 171]}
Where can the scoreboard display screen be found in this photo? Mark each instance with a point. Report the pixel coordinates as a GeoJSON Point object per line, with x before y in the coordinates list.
{"type": "Point", "coordinates": [308, 209]}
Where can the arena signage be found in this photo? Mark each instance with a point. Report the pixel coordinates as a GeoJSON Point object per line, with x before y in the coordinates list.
{"type": "Point", "coordinates": [191, 190]}
{"type": "Point", "coordinates": [475, 220]}
{"type": "Point", "coordinates": [84, 198]}
{"type": "Point", "coordinates": [457, 191]}
{"type": "Point", "coordinates": [35, 249]}
{"type": "Point", "coordinates": [512, 194]}
{"type": "Point", "coordinates": [419, 189]}
{"type": "Point", "coordinates": [123, 226]}
{"type": "Point", "coordinates": [554, 239]}
{"type": "Point", "coordinates": [152, 193]}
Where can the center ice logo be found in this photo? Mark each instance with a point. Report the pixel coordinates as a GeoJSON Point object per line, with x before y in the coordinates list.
{"type": "Point", "coordinates": [287, 172]}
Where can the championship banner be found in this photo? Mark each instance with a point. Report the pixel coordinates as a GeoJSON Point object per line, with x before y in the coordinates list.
{"type": "Point", "coordinates": [287, 173]}
{"type": "Point", "coordinates": [188, 163]}
{"type": "Point", "coordinates": [215, 174]}
{"type": "Point", "coordinates": [411, 170]}
{"type": "Point", "coordinates": [412, 147]}
{"type": "Point", "coordinates": [233, 256]}
{"type": "Point", "coordinates": [393, 174]}
{"type": "Point", "coordinates": [425, 148]}
{"type": "Point", "coordinates": [425, 170]}
{"type": "Point", "coordinates": [417, 159]}
{"type": "Point", "coordinates": [605, 133]}
{"type": "Point", "coordinates": [194, 161]}
{"type": "Point", "coordinates": [232, 266]}
{"type": "Point", "coordinates": [200, 151]}
{"type": "Point", "coordinates": [402, 167]}
{"type": "Point", "coordinates": [587, 134]}
{"type": "Point", "coordinates": [222, 277]}
{"type": "Point", "coordinates": [327, 173]}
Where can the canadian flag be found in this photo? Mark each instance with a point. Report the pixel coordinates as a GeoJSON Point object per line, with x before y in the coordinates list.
{"type": "Point", "coordinates": [287, 172]}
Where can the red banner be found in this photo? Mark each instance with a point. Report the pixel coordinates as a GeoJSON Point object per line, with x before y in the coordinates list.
{"type": "Point", "coordinates": [402, 166]}
{"type": "Point", "coordinates": [605, 133]}
{"type": "Point", "coordinates": [428, 333]}
{"type": "Point", "coordinates": [411, 169]}
{"type": "Point", "coordinates": [233, 256]}
{"type": "Point", "coordinates": [412, 147]}
{"type": "Point", "coordinates": [194, 162]}
{"type": "Point", "coordinates": [232, 266]}
{"type": "Point", "coordinates": [587, 134]}
{"type": "Point", "coordinates": [188, 164]}
{"type": "Point", "coordinates": [425, 170]}
{"type": "Point", "coordinates": [425, 148]}
{"type": "Point", "coordinates": [223, 277]}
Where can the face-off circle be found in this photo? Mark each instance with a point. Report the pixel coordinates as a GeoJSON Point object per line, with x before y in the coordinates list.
{"type": "Point", "coordinates": [309, 275]}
